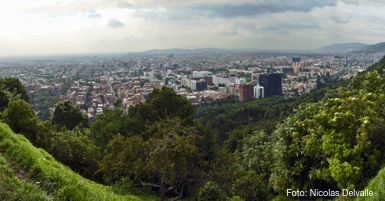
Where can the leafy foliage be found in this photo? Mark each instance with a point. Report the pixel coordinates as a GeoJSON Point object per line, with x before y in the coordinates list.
{"type": "Point", "coordinates": [170, 155]}
{"type": "Point", "coordinates": [21, 118]}
{"type": "Point", "coordinates": [14, 86]}
{"type": "Point", "coordinates": [254, 161]}
{"type": "Point", "coordinates": [336, 142]}
{"type": "Point", "coordinates": [42, 103]}
{"type": "Point", "coordinates": [162, 103]}
{"type": "Point", "coordinates": [44, 177]}
{"type": "Point", "coordinates": [211, 191]}
{"type": "Point", "coordinates": [69, 115]}
{"type": "Point", "coordinates": [111, 123]}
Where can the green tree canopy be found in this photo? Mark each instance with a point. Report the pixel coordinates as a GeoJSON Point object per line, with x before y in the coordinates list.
{"type": "Point", "coordinates": [68, 115]}
{"type": "Point", "coordinates": [111, 123]}
{"type": "Point", "coordinates": [15, 87]}
{"type": "Point", "coordinates": [20, 118]}
{"type": "Point", "coordinates": [170, 155]}
{"type": "Point", "coordinates": [334, 143]}
{"type": "Point", "coordinates": [162, 103]}
{"type": "Point", "coordinates": [254, 161]}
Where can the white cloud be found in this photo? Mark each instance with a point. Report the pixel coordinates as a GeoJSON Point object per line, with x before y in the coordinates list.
{"type": "Point", "coordinates": [71, 26]}
{"type": "Point", "coordinates": [124, 4]}
{"type": "Point", "coordinates": [114, 23]}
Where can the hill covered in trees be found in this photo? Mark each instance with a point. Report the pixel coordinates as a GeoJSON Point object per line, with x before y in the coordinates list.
{"type": "Point", "coordinates": [343, 47]}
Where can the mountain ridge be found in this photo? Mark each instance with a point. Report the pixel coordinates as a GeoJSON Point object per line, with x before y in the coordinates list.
{"type": "Point", "coordinates": [188, 51]}
{"type": "Point", "coordinates": [372, 49]}
{"type": "Point", "coordinates": [342, 47]}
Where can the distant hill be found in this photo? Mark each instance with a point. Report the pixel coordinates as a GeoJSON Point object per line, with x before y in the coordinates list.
{"type": "Point", "coordinates": [187, 51]}
{"type": "Point", "coordinates": [343, 47]}
{"type": "Point", "coordinates": [372, 49]}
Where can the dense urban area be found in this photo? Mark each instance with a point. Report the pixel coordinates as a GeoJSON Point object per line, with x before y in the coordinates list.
{"type": "Point", "coordinates": [94, 83]}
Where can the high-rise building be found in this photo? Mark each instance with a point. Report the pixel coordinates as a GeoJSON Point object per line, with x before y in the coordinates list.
{"type": "Point", "coordinates": [335, 60]}
{"type": "Point", "coordinates": [168, 80]}
{"type": "Point", "coordinates": [201, 85]}
{"type": "Point", "coordinates": [193, 84]}
{"type": "Point", "coordinates": [271, 83]}
{"type": "Point", "coordinates": [259, 92]}
{"type": "Point", "coordinates": [344, 60]}
{"type": "Point", "coordinates": [296, 67]}
{"type": "Point", "coordinates": [246, 92]}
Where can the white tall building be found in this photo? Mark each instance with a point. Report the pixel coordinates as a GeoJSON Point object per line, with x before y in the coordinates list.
{"type": "Point", "coordinates": [224, 80]}
{"type": "Point", "coordinates": [219, 80]}
{"type": "Point", "coordinates": [185, 82]}
{"type": "Point", "coordinates": [240, 81]}
{"type": "Point", "coordinates": [193, 84]}
{"type": "Point", "coordinates": [259, 92]}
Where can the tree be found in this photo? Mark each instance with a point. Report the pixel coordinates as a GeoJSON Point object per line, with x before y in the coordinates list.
{"type": "Point", "coordinates": [13, 86]}
{"type": "Point", "coordinates": [21, 119]}
{"type": "Point", "coordinates": [174, 158]}
{"type": "Point", "coordinates": [111, 123]}
{"type": "Point", "coordinates": [211, 191]}
{"type": "Point", "coordinates": [170, 155]}
{"type": "Point", "coordinates": [162, 103]}
{"type": "Point", "coordinates": [117, 104]}
{"type": "Point", "coordinates": [75, 149]}
{"type": "Point", "coordinates": [254, 162]}
{"type": "Point", "coordinates": [292, 166]}
{"type": "Point", "coordinates": [336, 143]}
{"type": "Point", "coordinates": [68, 115]}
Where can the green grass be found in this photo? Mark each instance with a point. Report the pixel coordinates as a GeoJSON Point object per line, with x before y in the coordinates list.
{"type": "Point", "coordinates": [13, 188]}
{"type": "Point", "coordinates": [377, 185]}
{"type": "Point", "coordinates": [285, 198]}
{"type": "Point", "coordinates": [43, 178]}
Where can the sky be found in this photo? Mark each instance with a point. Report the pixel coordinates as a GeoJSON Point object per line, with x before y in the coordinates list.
{"type": "Point", "coordinates": [48, 27]}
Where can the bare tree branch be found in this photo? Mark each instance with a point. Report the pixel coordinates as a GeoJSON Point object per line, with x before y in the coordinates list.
{"type": "Point", "coordinates": [149, 184]}
{"type": "Point", "coordinates": [323, 156]}
{"type": "Point", "coordinates": [180, 196]}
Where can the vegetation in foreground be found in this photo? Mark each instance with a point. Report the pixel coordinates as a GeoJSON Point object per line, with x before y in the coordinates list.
{"type": "Point", "coordinates": [29, 173]}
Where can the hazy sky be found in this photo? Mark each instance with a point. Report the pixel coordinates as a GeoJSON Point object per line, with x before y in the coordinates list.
{"type": "Point", "coordinates": [33, 27]}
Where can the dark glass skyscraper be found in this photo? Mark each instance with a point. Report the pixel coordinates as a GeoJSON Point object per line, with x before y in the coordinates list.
{"type": "Point", "coordinates": [296, 59]}
{"type": "Point", "coordinates": [201, 85]}
{"type": "Point", "coordinates": [271, 83]}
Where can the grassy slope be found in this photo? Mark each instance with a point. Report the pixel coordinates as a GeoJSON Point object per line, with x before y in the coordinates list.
{"type": "Point", "coordinates": [377, 185]}
{"type": "Point", "coordinates": [30, 173]}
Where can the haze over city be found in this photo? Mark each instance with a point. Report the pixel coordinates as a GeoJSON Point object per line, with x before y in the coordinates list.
{"type": "Point", "coordinates": [46, 27]}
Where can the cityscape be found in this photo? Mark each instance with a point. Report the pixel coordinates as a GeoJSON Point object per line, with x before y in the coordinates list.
{"type": "Point", "coordinates": [94, 83]}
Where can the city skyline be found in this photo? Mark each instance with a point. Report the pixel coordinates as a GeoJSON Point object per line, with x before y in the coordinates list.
{"type": "Point", "coordinates": [43, 27]}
